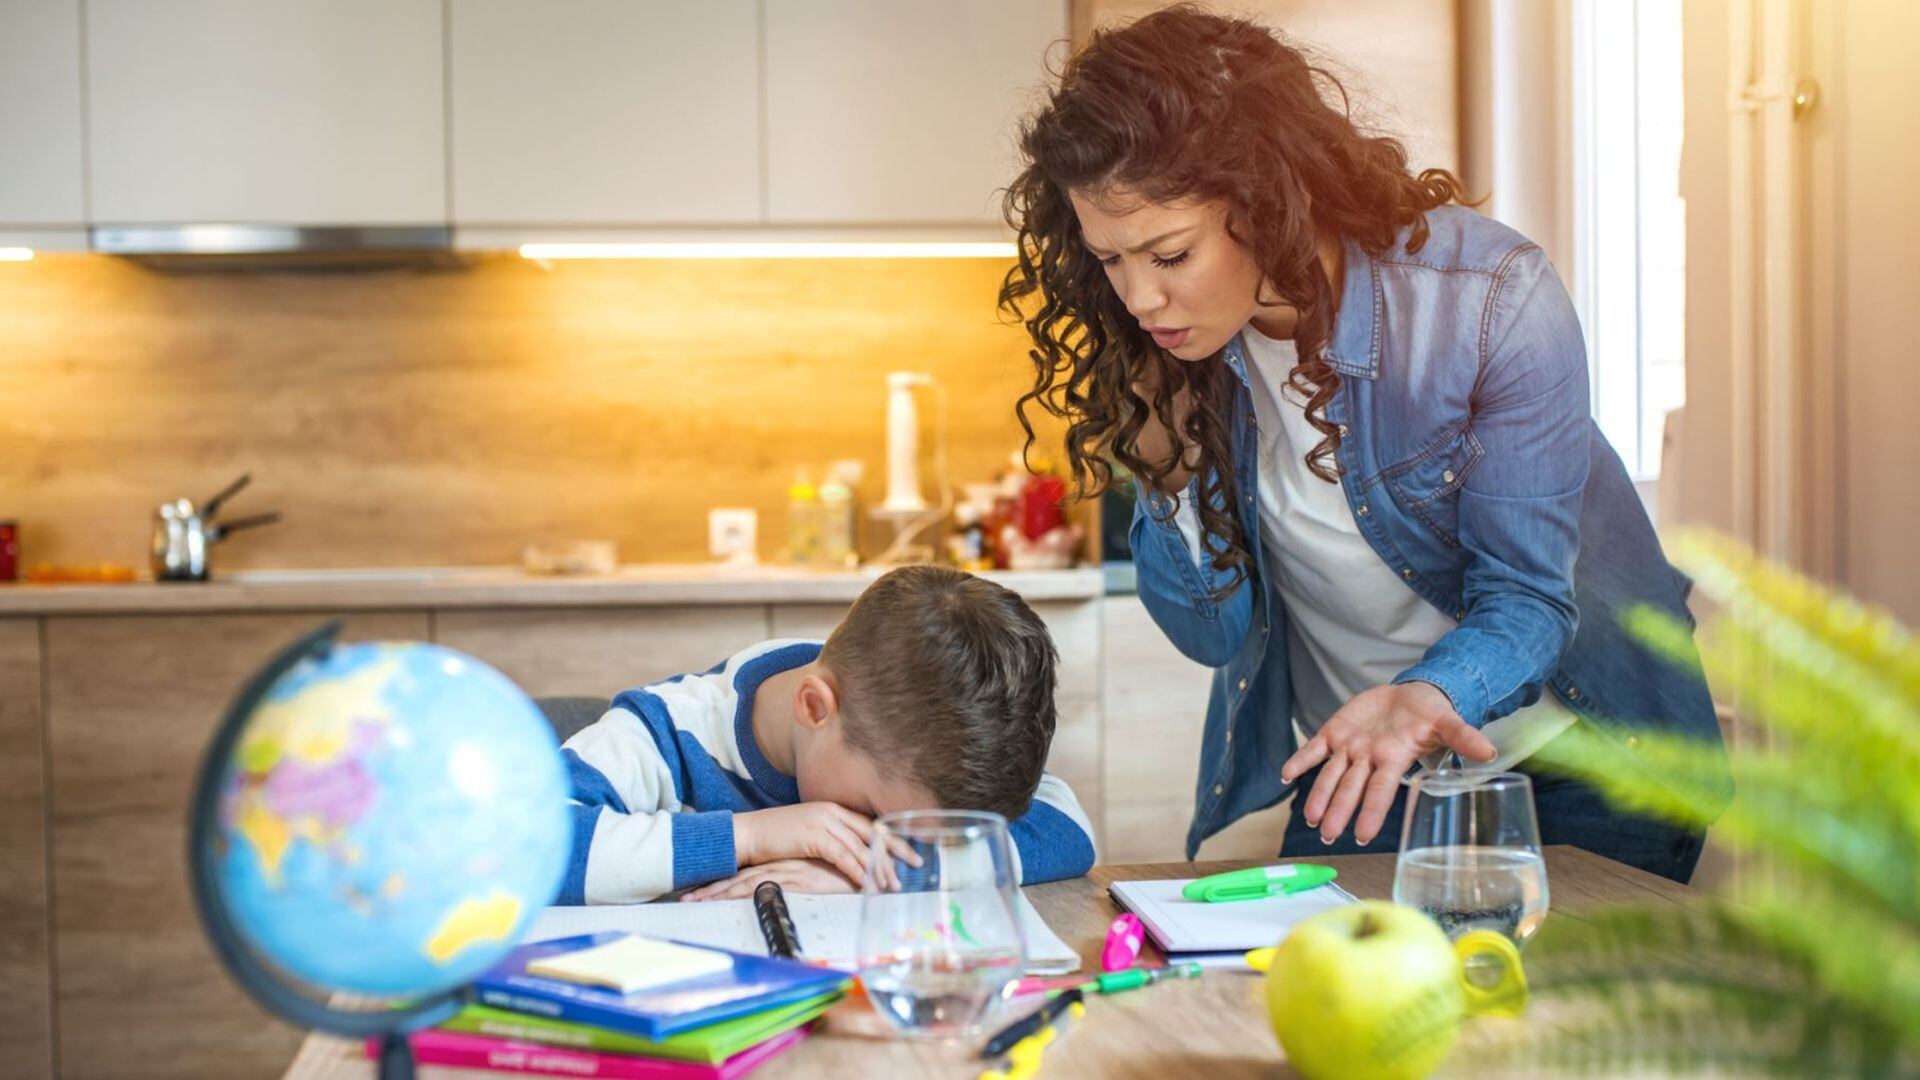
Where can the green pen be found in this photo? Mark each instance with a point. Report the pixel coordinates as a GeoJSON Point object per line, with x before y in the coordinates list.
{"type": "Point", "coordinates": [1258, 882]}
{"type": "Point", "coordinates": [1113, 982]}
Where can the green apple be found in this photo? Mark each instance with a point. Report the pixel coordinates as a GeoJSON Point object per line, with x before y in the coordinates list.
{"type": "Point", "coordinates": [1370, 991]}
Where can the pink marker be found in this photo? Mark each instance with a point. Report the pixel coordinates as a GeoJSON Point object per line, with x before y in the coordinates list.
{"type": "Point", "coordinates": [1124, 939]}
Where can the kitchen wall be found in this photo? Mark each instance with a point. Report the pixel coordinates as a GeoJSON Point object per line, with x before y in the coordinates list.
{"type": "Point", "coordinates": [450, 416]}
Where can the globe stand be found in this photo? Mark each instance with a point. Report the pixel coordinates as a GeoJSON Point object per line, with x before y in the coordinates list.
{"type": "Point", "coordinates": [396, 1058]}
{"type": "Point", "coordinates": [272, 989]}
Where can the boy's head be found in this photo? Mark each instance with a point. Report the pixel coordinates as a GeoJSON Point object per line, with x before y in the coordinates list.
{"type": "Point", "coordinates": [942, 696]}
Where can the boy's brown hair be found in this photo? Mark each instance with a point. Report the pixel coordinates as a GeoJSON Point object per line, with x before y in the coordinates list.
{"type": "Point", "coordinates": [951, 676]}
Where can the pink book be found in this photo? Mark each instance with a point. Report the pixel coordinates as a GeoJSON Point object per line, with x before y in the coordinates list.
{"type": "Point", "coordinates": [464, 1051]}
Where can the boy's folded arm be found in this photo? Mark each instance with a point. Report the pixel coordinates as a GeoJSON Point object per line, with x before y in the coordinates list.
{"type": "Point", "coordinates": [621, 858]}
{"type": "Point", "coordinates": [633, 840]}
{"type": "Point", "coordinates": [1053, 839]}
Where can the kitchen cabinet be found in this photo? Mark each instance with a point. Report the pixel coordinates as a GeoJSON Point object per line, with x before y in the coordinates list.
{"type": "Point", "coordinates": [132, 701]}
{"type": "Point", "coordinates": [312, 112]}
{"type": "Point", "coordinates": [26, 973]}
{"type": "Point", "coordinates": [1153, 706]}
{"type": "Point", "coordinates": [604, 112]}
{"type": "Point", "coordinates": [41, 181]}
{"type": "Point", "coordinates": [599, 651]}
{"type": "Point", "coordinates": [1074, 626]}
{"type": "Point", "coordinates": [883, 112]}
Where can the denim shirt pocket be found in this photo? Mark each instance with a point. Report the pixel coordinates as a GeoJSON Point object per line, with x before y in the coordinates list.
{"type": "Point", "coordinates": [1428, 485]}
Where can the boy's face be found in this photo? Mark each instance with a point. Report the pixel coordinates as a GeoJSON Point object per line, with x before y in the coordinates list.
{"type": "Point", "coordinates": [828, 770]}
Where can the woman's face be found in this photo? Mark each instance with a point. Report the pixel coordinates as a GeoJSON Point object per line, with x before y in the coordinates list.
{"type": "Point", "coordinates": [1190, 284]}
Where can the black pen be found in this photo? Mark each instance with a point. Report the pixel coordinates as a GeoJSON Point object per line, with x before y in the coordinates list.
{"type": "Point", "coordinates": [1029, 1024]}
{"type": "Point", "coordinates": [776, 925]}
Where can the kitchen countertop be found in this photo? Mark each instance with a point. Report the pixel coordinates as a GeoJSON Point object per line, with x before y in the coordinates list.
{"type": "Point", "coordinates": [471, 587]}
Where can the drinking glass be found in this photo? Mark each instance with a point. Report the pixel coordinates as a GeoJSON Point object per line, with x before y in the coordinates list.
{"type": "Point", "coordinates": [941, 950]}
{"type": "Point", "coordinates": [1470, 854]}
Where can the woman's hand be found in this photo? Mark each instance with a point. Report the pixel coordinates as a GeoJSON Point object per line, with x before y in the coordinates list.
{"type": "Point", "coordinates": [1369, 745]}
{"type": "Point", "coordinates": [793, 875]}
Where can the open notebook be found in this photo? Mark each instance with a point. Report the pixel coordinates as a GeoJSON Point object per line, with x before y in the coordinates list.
{"type": "Point", "coordinates": [829, 927]}
{"type": "Point", "coordinates": [1185, 927]}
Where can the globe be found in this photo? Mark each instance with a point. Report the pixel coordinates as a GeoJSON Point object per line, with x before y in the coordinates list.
{"type": "Point", "coordinates": [381, 820]}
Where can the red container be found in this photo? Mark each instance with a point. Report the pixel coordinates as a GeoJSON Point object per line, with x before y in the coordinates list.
{"type": "Point", "coordinates": [9, 551]}
{"type": "Point", "coordinates": [1040, 505]}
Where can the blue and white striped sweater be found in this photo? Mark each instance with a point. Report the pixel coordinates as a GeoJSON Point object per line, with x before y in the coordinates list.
{"type": "Point", "coordinates": [657, 780]}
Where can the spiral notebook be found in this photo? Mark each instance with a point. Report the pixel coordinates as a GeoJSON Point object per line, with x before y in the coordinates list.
{"type": "Point", "coordinates": [828, 926]}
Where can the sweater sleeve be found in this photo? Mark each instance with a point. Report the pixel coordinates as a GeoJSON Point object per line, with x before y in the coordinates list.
{"type": "Point", "coordinates": [1052, 840]}
{"type": "Point", "coordinates": [633, 839]}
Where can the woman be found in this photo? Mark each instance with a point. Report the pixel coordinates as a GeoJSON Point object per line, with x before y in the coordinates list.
{"type": "Point", "coordinates": [1371, 493]}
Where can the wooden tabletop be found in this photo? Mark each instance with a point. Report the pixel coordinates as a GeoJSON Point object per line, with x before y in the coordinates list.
{"type": "Point", "coordinates": [1215, 1026]}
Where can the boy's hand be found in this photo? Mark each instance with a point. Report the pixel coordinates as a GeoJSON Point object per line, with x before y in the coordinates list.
{"type": "Point", "coordinates": [793, 875]}
{"type": "Point", "coordinates": [812, 830]}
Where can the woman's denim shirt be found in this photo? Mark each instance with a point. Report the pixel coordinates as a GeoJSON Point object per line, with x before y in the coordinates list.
{"type": "Point", "coordinates": [1474, 469]}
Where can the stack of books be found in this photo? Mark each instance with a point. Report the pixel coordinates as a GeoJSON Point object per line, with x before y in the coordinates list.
{"type": "Point", "coordinates": [614, 1005]}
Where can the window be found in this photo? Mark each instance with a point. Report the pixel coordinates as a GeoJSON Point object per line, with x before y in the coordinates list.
{"type": "Point", "coordinates": [1630, 223]}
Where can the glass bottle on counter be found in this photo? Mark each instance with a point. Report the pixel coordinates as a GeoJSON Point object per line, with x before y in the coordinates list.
{"type": "Point", "coordinates": [839, 547]}
{"type": "Point", "coordinates": [803, 520]}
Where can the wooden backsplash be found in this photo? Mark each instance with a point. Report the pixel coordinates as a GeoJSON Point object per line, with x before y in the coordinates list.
{"type": "Point", "coordinates": [450, 416]}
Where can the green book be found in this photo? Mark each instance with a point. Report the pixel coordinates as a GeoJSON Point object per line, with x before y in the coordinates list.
{"type": "Point", "coordinates": [712, 1044]}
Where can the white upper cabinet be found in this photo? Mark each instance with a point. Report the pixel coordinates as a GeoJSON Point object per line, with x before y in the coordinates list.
{"type": "Point", "coordinates": [899, 111]}
{"type": "Point", "coordinates": [604, 112]}
{"type": "Point", "coordinates": [40, 156]}
{"type": "Point", "coordinates": [314, 112]}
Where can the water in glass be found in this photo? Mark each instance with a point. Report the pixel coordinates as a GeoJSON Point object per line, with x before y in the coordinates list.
{"type": "Point", "coordinates": [938, 954]}
{"type": "Point", "coordinates": [1470, 854]}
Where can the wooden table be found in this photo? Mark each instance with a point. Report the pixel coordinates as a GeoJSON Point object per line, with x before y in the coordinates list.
{"type": "Point", "coordinates": [1215, 1026]}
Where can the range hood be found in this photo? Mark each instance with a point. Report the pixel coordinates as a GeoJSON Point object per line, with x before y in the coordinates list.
{"type": "Point", "coordinates": [223, 239]}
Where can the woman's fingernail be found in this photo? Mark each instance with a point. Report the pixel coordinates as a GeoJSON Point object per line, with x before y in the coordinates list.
{"type": "Point", "coordinates": [1326, 841]}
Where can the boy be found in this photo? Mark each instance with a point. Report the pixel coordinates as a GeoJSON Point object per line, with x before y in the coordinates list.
{"type": "Point", "coordinates": [936, 691]}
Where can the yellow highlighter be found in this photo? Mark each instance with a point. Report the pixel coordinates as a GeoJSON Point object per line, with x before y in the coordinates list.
{"type": "Point", "coordinates": [1023, 1060]}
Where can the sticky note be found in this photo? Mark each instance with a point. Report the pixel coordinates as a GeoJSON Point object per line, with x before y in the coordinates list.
{"type": "Point", "coordinates": [632, 964]}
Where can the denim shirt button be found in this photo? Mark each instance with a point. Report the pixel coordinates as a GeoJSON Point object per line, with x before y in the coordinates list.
{"type": "Point", "coordinates": [1243, 684]}
{"type": "Point", "coordinates": [1219, 789]}
{"type": "Point", "coordinates": [1446, 476]}
{"type": "Point", "coordinates": [1573, 693]}
{"type": "Point", "coordinates": [1407, 573]}
{"type": "Point", "coordinates": [1343, 430]}
{"type": "Point", "coordinates": [1460, 616]}
{"type": "Point", "coordinates": [1362, 510]}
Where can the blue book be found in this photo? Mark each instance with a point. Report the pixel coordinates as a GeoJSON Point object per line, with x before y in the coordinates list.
{"type": "Point", "coordinates": [754, 983]}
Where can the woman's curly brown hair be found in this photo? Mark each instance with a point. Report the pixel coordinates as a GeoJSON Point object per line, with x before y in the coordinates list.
{"type": "Point", "coordinates": [1183, 104]}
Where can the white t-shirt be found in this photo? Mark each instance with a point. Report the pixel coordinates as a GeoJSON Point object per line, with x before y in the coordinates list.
{"type": "Point", "coordinates": [1352, 623]}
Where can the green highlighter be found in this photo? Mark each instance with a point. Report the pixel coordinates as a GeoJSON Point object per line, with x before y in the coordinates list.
{"type": "Point", "coordinates": [1258, 882]}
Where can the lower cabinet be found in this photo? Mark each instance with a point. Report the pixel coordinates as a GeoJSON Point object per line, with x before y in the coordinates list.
{"type": "Point", "coordinates": [131, 703]}
{"type": "Point", "coordinates": [1153, 705]}
{"type": "Point", "coordinates": [105, 971]}
{"type": "Point", "coordinates": [26, 970]}
{"type": "Point", "coordinates": [600, 651]}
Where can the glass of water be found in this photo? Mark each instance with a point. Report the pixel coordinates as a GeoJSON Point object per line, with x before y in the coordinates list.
{"type": "Point", "coordinates": [1470, 854]}
{"type": "Point", "coordinates": [939, 951]}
